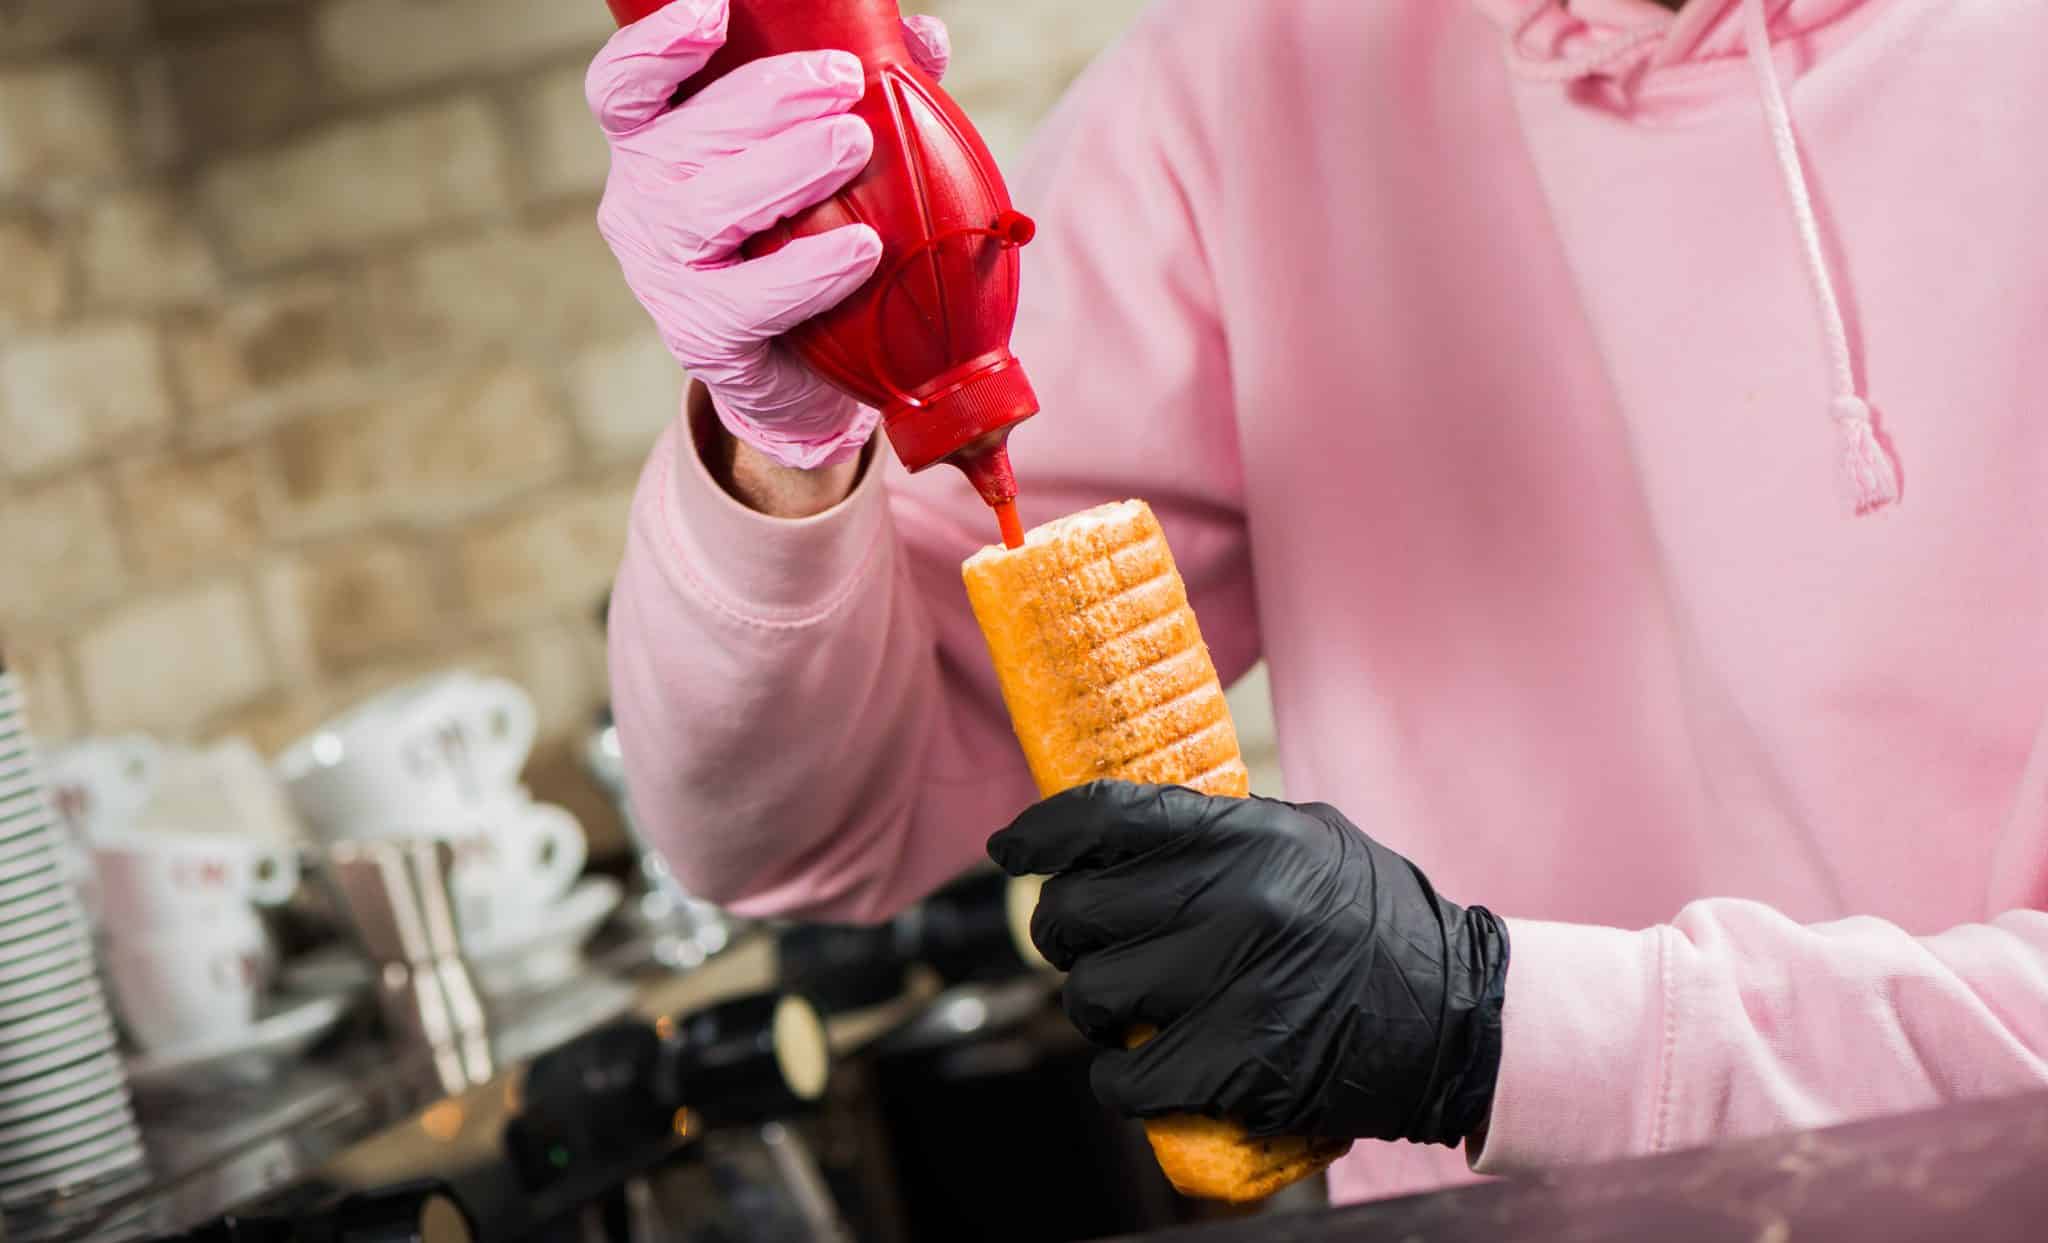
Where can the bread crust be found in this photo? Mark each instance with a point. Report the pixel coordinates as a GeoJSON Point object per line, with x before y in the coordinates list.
{"type": "Point", "coordinates": [1210, 1159]}
{"type": "Point", "coordinates": [1106, 677]}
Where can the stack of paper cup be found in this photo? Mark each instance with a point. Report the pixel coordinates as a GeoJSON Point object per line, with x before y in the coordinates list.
{"type": "Point", "coordinates": [65, 1117]}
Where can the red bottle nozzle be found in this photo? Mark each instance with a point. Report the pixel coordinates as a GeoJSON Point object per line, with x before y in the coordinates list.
{"type": "Point", "coordinates": [988, 469]}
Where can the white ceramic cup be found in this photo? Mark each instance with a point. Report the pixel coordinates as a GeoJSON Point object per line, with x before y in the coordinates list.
{"type": "Point", "coordinates": [225, 787]}
{"type": "Point", "coordinates": [101, 785]}
{"type": "Point", "coordinates": [202, 984]}
{"type": "Point", "coordinates": [513, 859]}
{"type": "Point", "coordinates": [428, 750]}
{"type": "Point", "coordinates": [156, 884]}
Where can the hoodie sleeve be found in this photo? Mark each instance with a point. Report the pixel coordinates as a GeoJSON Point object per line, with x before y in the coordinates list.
{"type": "Point", "coordinates": [1733, 1021]}
{"type": "Point", "coordinates": [808, 716]}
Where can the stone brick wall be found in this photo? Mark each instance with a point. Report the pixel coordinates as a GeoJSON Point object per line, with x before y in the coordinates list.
{"type": "Point", "coordinates": [314, 373]}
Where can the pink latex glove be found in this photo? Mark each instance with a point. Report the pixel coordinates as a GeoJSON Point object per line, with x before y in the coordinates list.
{"type": "Point", "coordinates": [688, 185]}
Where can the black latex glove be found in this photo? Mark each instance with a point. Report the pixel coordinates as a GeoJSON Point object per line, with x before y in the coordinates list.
{"type": "Point", "coordinates": [1305, 979]}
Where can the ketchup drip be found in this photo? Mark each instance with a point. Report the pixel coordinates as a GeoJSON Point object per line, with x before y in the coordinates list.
{"type": "Point", "coordinates": [1013, 527]}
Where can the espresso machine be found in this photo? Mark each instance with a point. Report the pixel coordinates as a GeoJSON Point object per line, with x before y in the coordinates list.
{"type": "Point", "coordinates": [894, 1084]}
{"type": "Point", "coordinates": [955, 1086]}
{"type": "Point", "coordinates": [983, 1094]}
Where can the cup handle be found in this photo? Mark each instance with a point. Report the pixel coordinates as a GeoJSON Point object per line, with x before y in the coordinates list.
{"type": "Point", "coordinates": [511, 724]}
{"type": "Point", "coordinates": [559, 849]}
{"type": "Point", "coordinates": [273, 876]}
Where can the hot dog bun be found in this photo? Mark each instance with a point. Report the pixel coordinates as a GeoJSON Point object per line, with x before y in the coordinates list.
{"type": "Point", "coordinates": [1105, 674]}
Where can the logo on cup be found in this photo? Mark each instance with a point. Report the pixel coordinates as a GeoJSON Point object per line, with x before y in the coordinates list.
{"type": "Point", "coordinates": [202, 875]}
{"type": "Point", "coordinates": [445, 749]}
{"type": "Point", "coordinates": [238, 973]}
{"type": "Point", "coordinates": [73, 804]}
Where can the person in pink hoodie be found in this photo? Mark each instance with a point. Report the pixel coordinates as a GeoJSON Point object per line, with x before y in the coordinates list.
{"type": "Point", "coordinates": [1617, 425]}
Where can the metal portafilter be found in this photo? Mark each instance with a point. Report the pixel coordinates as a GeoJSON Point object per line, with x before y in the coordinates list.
{"type": "Point", "coordinates": [974, 931]}
{"type": "Point", "coordinates": [588, 1104]}
{"type": "Point", "coordinates": [755, 1059]}
{"type": "Point", "coordinates": [844, 968]}
{"type": "Point", "coordinates": [967, 932]}
{"type": "Point", "coordinates": [631, 1087]}
{"type": "Point", "coordinates": [421, 1212]}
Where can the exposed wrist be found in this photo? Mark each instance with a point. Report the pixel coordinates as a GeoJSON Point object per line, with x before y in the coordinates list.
{"type": "Point", "coordinates": [757, 481]}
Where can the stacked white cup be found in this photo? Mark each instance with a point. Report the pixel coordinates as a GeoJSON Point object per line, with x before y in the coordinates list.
{"type": "Point", "coordinates": [187, 846]}
{"type": "Point", "coordinates": [188, 954]}
{"type": "Point", "coordinates": [441, 758]}
{"type": "Point", "coordinates": [111, 791]}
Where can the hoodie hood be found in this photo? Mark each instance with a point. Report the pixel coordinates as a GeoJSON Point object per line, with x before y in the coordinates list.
{"type": "Point", "coordinates": [1564, 32]}
{"type": "Point", "coordinates": [1630, 44]}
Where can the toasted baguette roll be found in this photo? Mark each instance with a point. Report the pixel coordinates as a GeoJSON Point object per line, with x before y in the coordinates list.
{"type": "Point", "coordinates": [1106, 676]}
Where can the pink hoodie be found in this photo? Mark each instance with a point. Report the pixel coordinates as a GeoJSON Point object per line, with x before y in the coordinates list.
{"type": "Point", "coordinates": [1493, 383]}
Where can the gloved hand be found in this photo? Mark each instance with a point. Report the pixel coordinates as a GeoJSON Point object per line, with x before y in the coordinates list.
{"type": "Point", "coordinates": [1305, 979]}
{"type": "Point", "coordinates": [688, 185]}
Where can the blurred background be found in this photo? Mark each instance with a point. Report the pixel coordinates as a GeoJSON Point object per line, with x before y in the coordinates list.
{"type": "Point", "coordinates": [314, 373]}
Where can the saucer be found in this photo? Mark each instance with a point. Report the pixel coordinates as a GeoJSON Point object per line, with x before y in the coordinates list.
{"type": "Point", "coordinates": [288, 1027]}
{"type": "Point", "coordinates": [548, 948]}
{"type": "Point", "coordinates": [329, 969]}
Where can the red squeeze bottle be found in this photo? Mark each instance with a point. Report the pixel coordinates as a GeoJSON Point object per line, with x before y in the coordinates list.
{"type": "Point", "coordinates": [927, 340]}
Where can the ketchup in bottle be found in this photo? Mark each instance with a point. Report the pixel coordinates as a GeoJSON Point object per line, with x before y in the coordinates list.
{"type": "Point", "coordinates": [927, 340]}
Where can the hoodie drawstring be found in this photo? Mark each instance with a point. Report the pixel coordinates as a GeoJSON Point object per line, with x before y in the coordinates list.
{"type": "Point", "coordinates": [1868, 467]}
{"type": "Point", "coordinates": [1871, 472]}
